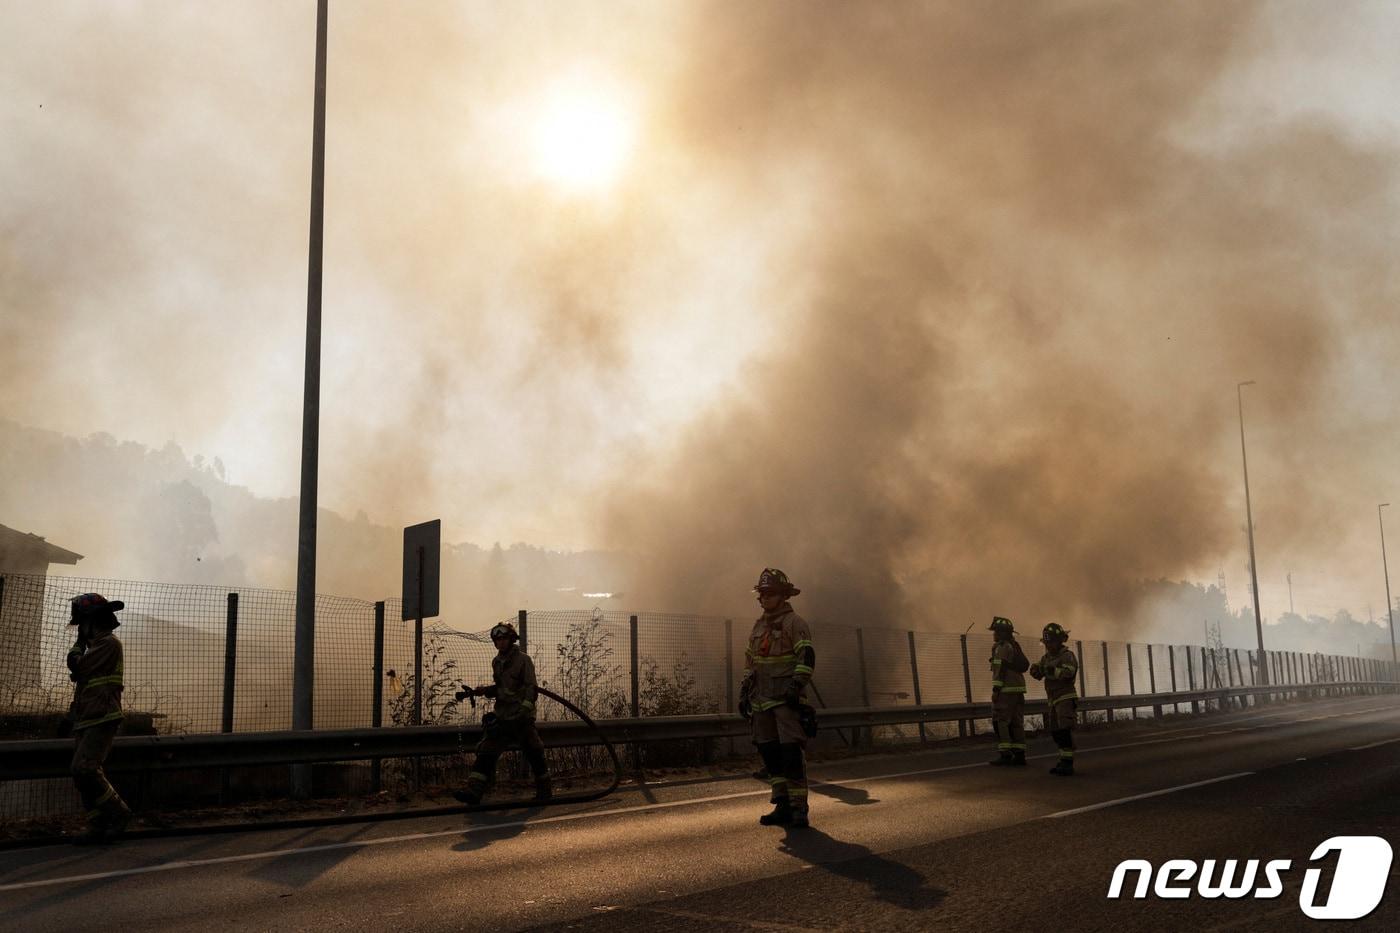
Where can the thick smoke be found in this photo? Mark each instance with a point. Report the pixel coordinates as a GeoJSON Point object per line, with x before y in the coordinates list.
{"type": "Point", "coordinates": [1011, 326]}
{"type": "Point", "coordinates": [938, 306]}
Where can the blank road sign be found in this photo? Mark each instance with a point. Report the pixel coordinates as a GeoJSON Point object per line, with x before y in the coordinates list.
{"type": "Point", "coordinates": [424, 540]}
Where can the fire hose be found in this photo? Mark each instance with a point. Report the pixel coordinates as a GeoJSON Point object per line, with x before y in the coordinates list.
{"type": "Point", "coordinates": [555, 800]}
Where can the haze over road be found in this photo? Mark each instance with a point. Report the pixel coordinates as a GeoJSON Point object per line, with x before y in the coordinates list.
{"type": "Point", "coordinates": [901, 841]}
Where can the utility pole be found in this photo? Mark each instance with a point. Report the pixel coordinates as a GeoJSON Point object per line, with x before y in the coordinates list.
{"type": "Point", "coordinates": [1249, 526]}
{"type": "Point", "coordinates": [1290, 595]}
{"type": "Point", "coordinates": [304, 657]}
{"type": "Point", "coordinates": [1389, 605]}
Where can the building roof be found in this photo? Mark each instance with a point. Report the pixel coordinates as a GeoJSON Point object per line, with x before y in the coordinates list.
{"type": "Point", "coordinates": [20, 541]}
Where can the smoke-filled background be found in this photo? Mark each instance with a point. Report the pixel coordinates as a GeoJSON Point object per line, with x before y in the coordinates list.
{"type": "Point", "coordinates": [939, 306]}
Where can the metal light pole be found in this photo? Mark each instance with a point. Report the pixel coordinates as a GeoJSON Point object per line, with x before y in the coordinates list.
{"type": "Point", "coordinates": [1249, 519]}
{"type": "Point", "coordinates": [1389, 611]}
{"type": "Point", "coordinates": [304, 661]}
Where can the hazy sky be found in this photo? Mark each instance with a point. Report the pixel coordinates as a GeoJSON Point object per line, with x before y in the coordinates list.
{"type": "Point", "coordinates": [926, 302]}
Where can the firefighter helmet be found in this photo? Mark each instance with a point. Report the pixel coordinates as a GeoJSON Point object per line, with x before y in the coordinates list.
{"type": "Point", "coordinates": [95, 605]}
{"type": "Point", "coordinates": [1001, 624]}
{"type": "Point", "coordinates": [773, 580]}
{"type": "Point", "coordinates": [504, 630]}
{"type": "Point", "coordinates": [1054, 632]}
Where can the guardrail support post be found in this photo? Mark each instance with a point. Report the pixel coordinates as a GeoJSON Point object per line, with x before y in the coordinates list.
{"type": "Point", "coordinates": [864, 686]}
{"type": "Point", "coordinates": [376, 714]}
{"type": "Point", "coordinates": [914, 673]}
{"type": "Point", "coordinates": [230, 670]}
{"type": "Point", "coordinates": [1107, 686]}
{"type": "Point", "coordinates": [967, 690]}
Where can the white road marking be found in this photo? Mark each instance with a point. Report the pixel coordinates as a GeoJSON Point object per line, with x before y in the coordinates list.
{"type": "Point", "coordinates": [618, 811]}
{"type": "Point", "coordinates": [1358, 748]}
{"type": "Point", "coordinates": [1155, 793]}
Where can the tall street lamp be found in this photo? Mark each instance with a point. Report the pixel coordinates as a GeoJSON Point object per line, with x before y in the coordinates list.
{"type": "Point", "coordinates": [1389, 606]}
{"type": "Point", "coordinates": [1249, 526]}
{"type": "Point", "coordinates": [304, 652]}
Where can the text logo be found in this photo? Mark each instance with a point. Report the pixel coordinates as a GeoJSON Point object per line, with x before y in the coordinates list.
{"type": "Point", "coordinates": [1358, 884]}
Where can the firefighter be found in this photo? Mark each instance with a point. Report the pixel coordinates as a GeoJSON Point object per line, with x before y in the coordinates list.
{"type": "Point", "coordinates": [513, 722]}
{"type": "Point", "coordinates": [1059, 667]}
{"type": "Point", "coordinates": [95, 667]}
{"type": "Point", "coordinates": [780, 660]}
{"type": "Point", "coordinates": [1008, 663]}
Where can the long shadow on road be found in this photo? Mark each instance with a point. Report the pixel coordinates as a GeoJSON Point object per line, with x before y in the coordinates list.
{"type": "Point", "coordinates": [888, 880]}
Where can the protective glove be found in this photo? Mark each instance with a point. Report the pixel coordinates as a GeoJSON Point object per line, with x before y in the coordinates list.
{"type": "Point", "coordinates": [793, 696]}
{"type": "Point", "coordinates": [1035, 671]}
{"type": "Point", "coordinates": [746, 708]}
{"type": "Point", "coordinates": [465, 693]}
{"type": "Point", "coordinates": [65, 728]}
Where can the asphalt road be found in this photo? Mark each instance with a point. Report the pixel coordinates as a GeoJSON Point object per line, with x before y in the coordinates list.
{"type": "Point", "coordinates": [927, 840]}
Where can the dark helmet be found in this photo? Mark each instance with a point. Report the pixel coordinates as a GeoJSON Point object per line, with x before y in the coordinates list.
{"type": "Point", "coordinates": [95, 606]}
{"type": "Point", "coordinates": [1001, 624]}
{"type": "Point", "coordinates": [1054, 632]}
{"type": "Point", "coordinates": [504, 630]}
{"type": "Point", "coordinates": [773, 580]}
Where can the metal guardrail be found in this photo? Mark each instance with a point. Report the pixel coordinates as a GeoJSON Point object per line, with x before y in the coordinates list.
{"type": "Point", "coordinates": [50, 758]}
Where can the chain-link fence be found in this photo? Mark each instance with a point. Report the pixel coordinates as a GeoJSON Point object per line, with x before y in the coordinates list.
{"type": "Point", "coordinates": [205, 659]}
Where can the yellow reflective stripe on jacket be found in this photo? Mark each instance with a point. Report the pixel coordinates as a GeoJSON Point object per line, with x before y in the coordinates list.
{"type": "Point", "coordinates": [997, 683]}
{"type": "Point", "coordinates": [773, 658]}
{"type": "Point", "coordinates": [1021, 689]}
{"type": "Point", "coordinates": [102, 681]}
{"type": "Point", "coordinates": [527, 704]}
{"type": "Point", "coordinates": [1067, 696]}
{"type": "Point", "coordinates": [1065, 670]}
{"type": "Point", "coordinates": [802, 669]}
{"type": "Point", "coordinates": [762, 705]}
{"type": "Point", "coordinates": [802, 643]}
{"type": "Point", "coordinates": [98, 721]}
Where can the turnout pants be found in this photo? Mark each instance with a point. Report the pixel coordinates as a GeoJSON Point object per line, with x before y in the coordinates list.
{"type": "Point", "coordinates": [1008, 713]}
{"type": "Point", "coordinates": [778, 734]}
{"type": "Point", "coordinates": [1061, 725]}
{"type": "Point", "coordinates": [502, 736]}
{"type": "Point", "coordinates": [90, 750]}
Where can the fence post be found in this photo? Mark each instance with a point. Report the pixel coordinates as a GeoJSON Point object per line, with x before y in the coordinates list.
{"type": "Point", "coordinates": [864, 685]}
{"type": "Point", "coordinates": [1152, 680]}
{"type": "Point", "coordinates": [376, 715]}
{"type": "Point", "coordinates": [1191, 681]}
{"type": "Point", "coordinates": [967, 689]}
{"type": "Point", "coordinates": [230, 669]}
{"type": "Point", "coordinates": [636, 691]}
{"type": "Point", "coordinates": [1171, 663]}
{"type": "Point", "coordinates": [1107, 685]}
{"type": "Point", "coordinates": [729, 666]}
{"type": "Point", "coordinates": [230, 659]}
{"type": "Point", "coordinates": [1132, 682]}
{"type": "Point", "coordinates": [522, 625]}
{"type": "Point", "coordinates": [914, 672]}
{"type": "Point", "coordinates": [1078, 653]}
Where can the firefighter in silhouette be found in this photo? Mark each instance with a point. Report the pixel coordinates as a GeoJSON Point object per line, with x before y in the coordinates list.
{"type": "Point", "coordinates": [95, 667]}
{"type": "Point", "coordinates": [512, 722]}
{"type": "Point", "coordinates": [1059, 667]}
{"type": "Point", "coordinates": [780, 660]}
{"type": "Point", "coordinates": [1009, 665]}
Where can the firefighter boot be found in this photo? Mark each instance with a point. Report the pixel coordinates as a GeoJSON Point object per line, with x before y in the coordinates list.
{"type": "Point", "coordinates": [471, 796]}
{"type": "Point", "coordinates": [1064, 768]}
{"type": "Point", "coordinates": [544, 789]}
{"type": "Point", "coordinates": [781, 815]}
{"type": "Point", "coordinates": [1018, 757]}
{"type": "Point", "coordinates": [117, 820]}
{"type": "Point", "coordinates": [1004, 757]}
